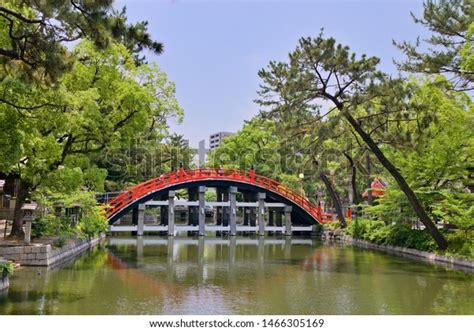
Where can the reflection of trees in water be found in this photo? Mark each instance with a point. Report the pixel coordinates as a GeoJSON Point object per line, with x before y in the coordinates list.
{"type": "Point", "coordinates": [334, 279]}
{"type": "Point", "coordinates": [235, 278]}
{"type": "Point", "coordinates": [39, 290]}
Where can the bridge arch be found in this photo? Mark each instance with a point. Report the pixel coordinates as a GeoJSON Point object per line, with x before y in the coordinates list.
{"type": "Point", "coordinates": [120, 205]}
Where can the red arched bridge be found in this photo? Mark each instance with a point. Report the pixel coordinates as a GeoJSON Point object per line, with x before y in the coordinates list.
{"type": "Point", "coordinates": [160, 191]}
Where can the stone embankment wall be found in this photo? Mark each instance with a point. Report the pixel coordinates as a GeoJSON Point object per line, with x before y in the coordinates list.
{"type": "Point", "coordinates": [46, 255]}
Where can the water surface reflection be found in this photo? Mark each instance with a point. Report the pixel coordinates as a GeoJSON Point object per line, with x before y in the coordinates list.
{"type": "Point", "coordinates": [156, 275]}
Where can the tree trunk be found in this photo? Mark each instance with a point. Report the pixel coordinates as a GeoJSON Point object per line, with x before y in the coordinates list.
{"type": "Point", "coordinates": [17, 227]}
{"type": "Point", "coordinates": [335, 199]}
{"type": "Point", "coordinates": [369, 179]}
{"type": "Point", "coordinates": [354, 196]}
{"type": "Point", "coordinates": [411, 196]}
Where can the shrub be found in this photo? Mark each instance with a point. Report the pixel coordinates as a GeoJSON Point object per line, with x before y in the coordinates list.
{"type": "Point", "coordinates": [6, 268]}
{"type": "Point", "coordinates": [48, 225]}
{"type": "Point", "coordinates": [371, 230]}
{"type": "Point", "coordinates": [421, 240]}
{"type": "Point", "coordinates": [403, 235]}
{"type": "Point", "coordinates": [93, 223]}
{"type": "Point", "coordinates": [60, 241]}
{"type": "Point", "coordinates": [459, 246]}
{"type": "Point", "coordinates": [356, 228]}
{"type": "Point", "coordinates": [398, 235]}
{"type": "Point", "coordinates": [379, 234]}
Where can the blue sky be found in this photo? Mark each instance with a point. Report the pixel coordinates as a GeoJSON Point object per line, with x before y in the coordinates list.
{"type": "Point", "coordinates": [214, 49]}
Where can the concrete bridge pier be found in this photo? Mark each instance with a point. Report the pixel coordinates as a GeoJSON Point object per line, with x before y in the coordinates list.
{"type": "Point", "coordinates": [288, 210]}
{"type": "Point", "coordinates": [233, 210]}
{"type": "Point", "coordinates": [171, 214]}
{"type": "Point", "coordinates": [261, 214]}
{"type": "Point", "coordinates": [141, 219]}
{"type": "Point", "coordinates": [202, 210]}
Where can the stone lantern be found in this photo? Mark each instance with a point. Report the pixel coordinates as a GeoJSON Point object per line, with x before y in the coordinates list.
{"type": "Point", "coordinates": [28, 217]}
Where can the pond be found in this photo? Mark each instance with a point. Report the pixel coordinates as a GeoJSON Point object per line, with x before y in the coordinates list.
{"type": "Point", "coordinates": [243, 275]}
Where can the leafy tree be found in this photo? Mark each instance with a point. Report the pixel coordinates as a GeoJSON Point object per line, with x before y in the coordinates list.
{"type": "Point", "coordinates": [425, 157]}
{"type": "Point", "coordinates": [104, 101]}
{"type": "Point", "coordinates": [450, 48]}
{"type": "Point", "coordinates": [147, 155]}
{"type": "Point", "coordinates": [321, 70]}
{"type": "Point", "coordinates": [33, 34]}
{"type": "Point", "coordinates": [262, 144]}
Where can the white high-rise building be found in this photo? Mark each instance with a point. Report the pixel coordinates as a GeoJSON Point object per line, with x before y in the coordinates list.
{"type": "Point", "coordinates": [218, 138]}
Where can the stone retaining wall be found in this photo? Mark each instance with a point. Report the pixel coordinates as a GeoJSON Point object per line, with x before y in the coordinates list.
{"type": "Point", "coordinates": [465, 263]}
{"type": "Point", "coordinates": [45, 255]}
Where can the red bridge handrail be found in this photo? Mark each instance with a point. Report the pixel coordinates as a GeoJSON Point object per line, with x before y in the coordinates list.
{"type": "Point", "coordinates": [189, 175]}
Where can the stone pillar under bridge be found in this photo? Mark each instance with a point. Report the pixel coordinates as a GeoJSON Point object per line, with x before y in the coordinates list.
{"type": "Point", "coordinates": [288, 210]}
{"type": "Point", "coordinates": [233, 210]}
{"type": "Point", "coordinates": [261, 214]}
{"type": "Point", "coordinates": [171, 213]}
{"type": "Point", "coordinates": [202, 210]}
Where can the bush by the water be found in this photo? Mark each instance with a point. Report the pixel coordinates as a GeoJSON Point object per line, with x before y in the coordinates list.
{"type": "Point", "coordinates": [6, 268]}
{"type": "Point", "coordinates": [91, 222]}
{"type": "Point", "coordinates": [403, 235]}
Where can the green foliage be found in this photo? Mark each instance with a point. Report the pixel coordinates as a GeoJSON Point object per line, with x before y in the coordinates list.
{"type": "Point", "coordinates": [449, 48]}
{"type": "Point", "coordinates": [459, 246]}
{"type": "Point", "coordinates": [105, 100]}
{"type": "Point", "coordinates": [92, 220]}
{"type": "Point", "coordinates": [254, 145]}
{"type": "Point", "coordinates": [457, 210]}
{"type": "Point", "coordinates": [6, 268]}
{"type": "Point", "coordinates": [33, 34]}
{"type": "Point", "coordinates": [60, 241]}
{"type": "Point", "coordinates": [332, 226]}
{"type": "Point", "coordinates": [93, 223]}
{"type": "Point", "coordinates": [396, 235]}
{"type": "Point", "coordinates": [45, 226]}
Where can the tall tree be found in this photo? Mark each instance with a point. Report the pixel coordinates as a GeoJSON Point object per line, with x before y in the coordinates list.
{"type": "Point", "coordinates": [321, 70]}
{"type": "Point", "coordinates": [33, 34]}
{"type": "Point", "coordinates": [103, 101]}
{"type": "Point", "coordinates": [449, 50]}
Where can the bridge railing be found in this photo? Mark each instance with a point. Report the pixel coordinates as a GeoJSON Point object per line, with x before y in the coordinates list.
{"type": "Point", "coordinates": [189, 175]}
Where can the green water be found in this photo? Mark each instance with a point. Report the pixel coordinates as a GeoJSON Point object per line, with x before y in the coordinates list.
{"type": "Point", "coordinates": [238, 276]}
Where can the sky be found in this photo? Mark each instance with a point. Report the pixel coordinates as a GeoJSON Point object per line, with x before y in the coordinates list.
{"type": "Point", "coordinates": [214, 49]}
